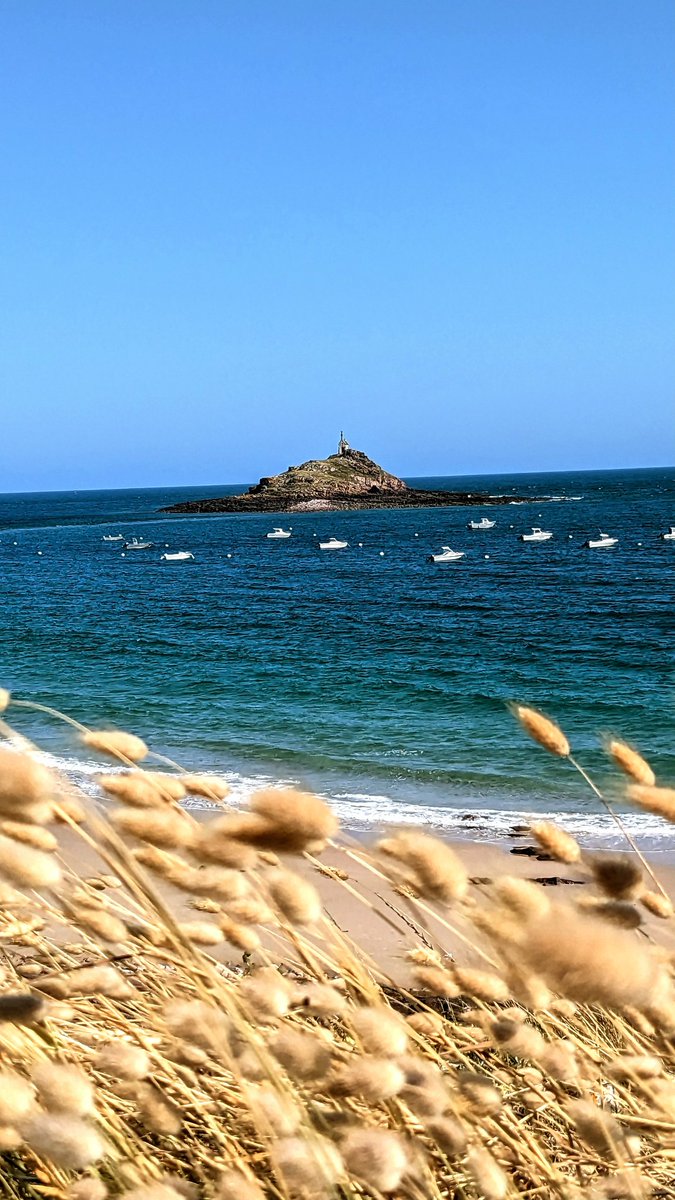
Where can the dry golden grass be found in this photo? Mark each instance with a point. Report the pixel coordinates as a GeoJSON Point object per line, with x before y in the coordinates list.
{"type": "Point", "coordinates": [134, 1063]}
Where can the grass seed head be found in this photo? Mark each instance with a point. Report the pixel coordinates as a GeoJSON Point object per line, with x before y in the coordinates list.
{"type": "Point", "coordinates": [543, 731]}
{"type": "Point", "coordinates": [274, 1111]}
{"type": "Point", "coordinates": [522, 897]}
{"type": "Point", "coordinates": [212, 843]}
{"type": "Point", "coordinates": [437, 981]}
{"type": "Point", "coordinates": [233, 1185]}
{"type": "Point", "coordinates": [135, 790]}
{"type": "Point", "coordinates": [169, 866]}
{"type": "Point", "coordinates": [102, 924]}
{"type": "Point", "coordinates": [27, 867]}
{"type": "Point", "coordinates": [17, 1097]}
{"type": "Point", "coordinates": [197, 1022]}
{"type": "Point", "coordinates": [101, 980]}
{"type": "Point", "coordinates": [26, 787]}
{"type": "Point", "coordinates": [66, 1140]}
{"type": "Point", "coordinates": [449, 1135]}
{"type": "Point", "coordinates": [296, 898]}
{"type": "Point", "coordinates": [297, 819]}
{"type": "Point", "coordinates": [307, 1167]}
{"type": "Point", "coordinates": [319, 999]}
{"type": "Point", "coordinates": [375, 1157]}
{"type": "Point", "coordinates": [483, 985]}
{"type": "Point", "coordinates": [628, 1067]}
{"type": "Point", "coordinates": [267, 993]}
{"type": "Point", "coordinates": [302, 1055]}
{"type": "Point", "coordinates": [242, 936]}
{"type": "Point", "coordinates": [479, 1091]}
{"type": "Point", "coordinates": [250, 910]}
{"type": "Point", "coordinates": [115, 743]}
{"type": "Point", "coordinates": [170, 787]}
{"type": "Point", "coordinates": [368, 1078]}
{"type": "Point", "coordinates": [21, 1008]}
{"type": "Point", "coordinates": [520, 1040]}
{"type": "Point", "coordinates": [64, 1088]}
{"type": "Point", "coordinates": [88, 1188]}
{"type": "Point", "coordinates": [427, 1024]}
{"type": "Point", "coordinates": [489, 1178]}
{"type": "Point", "coordinates": [380, 1031]}
{"type": "Point", "coordinates": [657, 800]}
{"type": "Point", "coordinates": [157, 1112]}
{"type": "Point", "coordinates": [556, 842]}
{"type": "Point", "coordinates": [631, 763]}
{"type": "Point", "coordinates": [586, 959]}
{"type": "Point", "coordinates": [598, 1129]}
{"type": "Point", "coordinates": [212, 787]}
{"type": "Point", "coordinates": [202, 933]}
{"type": "Point", "coordinates": [167, 828]}
{"type": "Point", "coordinates": [30, 835]}
{"type": "Point", "coordinates": [618, 876]}
{"type": "Point", "coordinates": [657, 904]}
{"type": "Point", "coordinates": [437, 872]}
{"type": "Point", "coordinates": [124, 1061]}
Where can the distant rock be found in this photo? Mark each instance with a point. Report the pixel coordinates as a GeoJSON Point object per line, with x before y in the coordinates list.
{"type": "Point", "coordinates": [348, 479]}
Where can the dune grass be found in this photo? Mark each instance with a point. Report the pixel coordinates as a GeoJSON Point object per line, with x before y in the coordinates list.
{"type": "Point", "coordinates": [256, 1051]}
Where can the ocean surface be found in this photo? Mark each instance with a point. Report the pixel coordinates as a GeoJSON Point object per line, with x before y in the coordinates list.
{"type": "Point", "coordinates": [370, 674]}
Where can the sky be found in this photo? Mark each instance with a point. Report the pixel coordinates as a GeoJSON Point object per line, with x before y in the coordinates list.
{"type": "Point", "coordinates": [230, 229]}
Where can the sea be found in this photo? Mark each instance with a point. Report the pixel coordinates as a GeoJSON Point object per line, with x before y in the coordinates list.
{"type": "Point", "coordinates": [370, 675]}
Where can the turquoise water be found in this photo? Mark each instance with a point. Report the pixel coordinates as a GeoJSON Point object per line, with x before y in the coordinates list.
{"type": "Point", "coordinates": [378, 679]}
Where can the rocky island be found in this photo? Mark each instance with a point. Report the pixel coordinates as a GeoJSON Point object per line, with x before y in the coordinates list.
{"type": "Point", "coordinates": [348, 479]}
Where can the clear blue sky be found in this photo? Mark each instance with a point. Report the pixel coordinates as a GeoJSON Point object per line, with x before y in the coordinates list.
{"type": "Point", "coordinates": [229, 229]}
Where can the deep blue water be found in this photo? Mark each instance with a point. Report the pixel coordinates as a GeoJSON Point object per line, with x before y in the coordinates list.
{"type": "Point", "coordinates": [381, 680]}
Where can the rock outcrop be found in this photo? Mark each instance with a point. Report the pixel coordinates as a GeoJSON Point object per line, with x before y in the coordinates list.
{"type": "Point", "coordinates": [348, 479]}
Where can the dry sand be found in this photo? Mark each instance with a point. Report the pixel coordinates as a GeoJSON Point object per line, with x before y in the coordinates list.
{"type": "Point", "coordinates": [384, 923]}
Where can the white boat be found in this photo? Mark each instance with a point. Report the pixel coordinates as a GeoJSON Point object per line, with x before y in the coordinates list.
{"type": "Point", "coordinates": [602, 542]}
{"type": "Point", "coordinates": [537, 535]}
{"type": "Point", "coordinates": [482, 524]}
{"type": "Point", "coordinates": [113, 537]}
{"type": "Point", "coordinates": [279, 533]}
{"type": "Point", "coordinates": [177, 556]}
{"type": "Point", "coordinates": [136, 544]}
{"type": "Point", "coordinates": [333, 544]}
{"type": "Point", "coordinates": [669, 536]}
{"type": "Point", "coordinates": [446, 555]}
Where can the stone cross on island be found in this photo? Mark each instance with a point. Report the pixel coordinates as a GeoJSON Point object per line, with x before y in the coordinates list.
{"type": "Point", "coordinates": [343, 445]}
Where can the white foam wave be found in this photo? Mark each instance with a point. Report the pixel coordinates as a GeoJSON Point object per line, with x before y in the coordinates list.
{"type": "Point", "coordinates": [369, 811]}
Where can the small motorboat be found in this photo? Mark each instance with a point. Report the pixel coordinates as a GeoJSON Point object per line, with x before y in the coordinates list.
{"type": "Point", "coordinates": [279, 533]}
{"type": "Point", "coordinates": [602, 542]}
{"type": "Point", "coordinates": [484, 523]}
{"type": "Point", "coordinates": [537, 535]}
{"type": "Point", "coordinates": [669, 536]}
{"type": "Point", "coordinates": [446, 555]}
{"type": "Point", "coordinates": [333, 544]}
{"type": "Point", "coordinates": [113, 537]}
{"type": "Point", "coordinates": [136, 544]}
{"type": "Point", "coordinates": [178, 556]}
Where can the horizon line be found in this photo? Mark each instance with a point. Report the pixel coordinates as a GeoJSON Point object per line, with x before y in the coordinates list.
{"type": "Point", "coordinates": [161, 487]}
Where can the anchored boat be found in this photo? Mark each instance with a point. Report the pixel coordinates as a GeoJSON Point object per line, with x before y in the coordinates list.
{"type": "Point", "coordinates": [446, 555]}
{"type": "Point", "coordinates": [602, 542]}
{"type": "Point", "coordinates": [537, 535]}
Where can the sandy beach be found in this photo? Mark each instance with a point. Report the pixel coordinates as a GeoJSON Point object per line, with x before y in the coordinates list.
{"type": "Point", "coordinates": [365, 907]}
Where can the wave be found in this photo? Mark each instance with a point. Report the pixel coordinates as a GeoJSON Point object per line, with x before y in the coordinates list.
{"type": "Point", "coordinates": [370, 812]}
